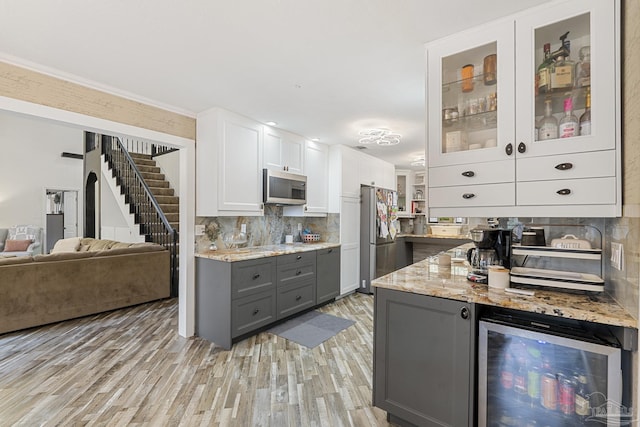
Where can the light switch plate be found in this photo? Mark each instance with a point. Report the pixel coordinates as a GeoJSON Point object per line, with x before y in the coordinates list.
{"type": "Point", "coordinates": [199, 229]}
{"type": "Point", "coordinates": [617, 255]}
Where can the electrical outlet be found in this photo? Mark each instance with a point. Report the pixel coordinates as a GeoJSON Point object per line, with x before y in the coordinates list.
{"type": "Point", "coordinates": [617, 255]}
{"type": "Point", "coordinates": [199, 229]}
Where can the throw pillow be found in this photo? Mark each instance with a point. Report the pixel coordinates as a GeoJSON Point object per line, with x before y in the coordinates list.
{"type": "Point", "coordinates": [71, 244]}
{"type": "Point", "coordinates": [16, 245]}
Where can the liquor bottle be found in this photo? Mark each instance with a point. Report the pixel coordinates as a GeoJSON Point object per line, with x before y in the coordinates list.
{"type": "Point", "coordinates": [568, 126]}
{"type": "Point", "coordinates": [563, 69]}
{"type": "Point", "coordinates": [585, 118]}
{"type": "Point", "coordinates": [543, 78]}
{"type": "Point", "coordinates": [583, 67]}
{"type": "Point", "coordinates": [548, 124]}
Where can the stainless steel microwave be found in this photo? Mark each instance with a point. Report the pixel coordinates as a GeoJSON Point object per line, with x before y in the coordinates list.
{"type": "Point", "coordinates": [283, 188]}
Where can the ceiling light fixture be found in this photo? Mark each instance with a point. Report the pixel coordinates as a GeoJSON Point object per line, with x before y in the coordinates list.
{"type": "Point", "coordinates": [380, 136]}
{"type": "Point", "coordinates": [418, 161]}
{"type": "Point", "coordinates": [271, 123]}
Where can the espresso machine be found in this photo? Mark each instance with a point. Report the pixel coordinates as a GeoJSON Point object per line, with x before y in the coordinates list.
{"type": "Point", "coordinates": [492, 247]}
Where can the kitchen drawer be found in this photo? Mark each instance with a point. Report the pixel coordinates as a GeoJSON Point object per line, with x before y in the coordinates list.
{"type": "Point", "coordinates": [296, 297]}
{"type": "Point", "coordinates": [291, 273]}
{"type": "Point", "coordinates": [596, 191]}
{"type": "Point", "coordinates": [472, 195]}
{"type": "Point", "coordinates": [252, 312]}
{"type": "Point", "coordinates": [596, 164]}
{"type": "Point", "coordinates": [297, 258]}
{"type": "Point", "coordinates": [471, 174]}
{"type": "Point", "coordinates": [252, 276]}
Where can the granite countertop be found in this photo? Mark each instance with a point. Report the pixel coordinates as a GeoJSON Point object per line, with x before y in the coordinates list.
{"type": "Point", "coordinates": [243, 254]}
{"type": "Point", "coordinates": [434, 236]}
{"type": "Point", "coordinates": [428, 278]}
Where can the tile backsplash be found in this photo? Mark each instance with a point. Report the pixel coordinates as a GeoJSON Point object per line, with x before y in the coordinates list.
{"type": "Point", "coordinates": [268, 229]}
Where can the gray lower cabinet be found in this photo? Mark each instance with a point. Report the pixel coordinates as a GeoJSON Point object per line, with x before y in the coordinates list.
{"type": "Point", "coordinates": [327, 274]}
{"type": "Point", "coordinates": [236, 298]}
{"type": "Point", "coordinates": [424, 352]}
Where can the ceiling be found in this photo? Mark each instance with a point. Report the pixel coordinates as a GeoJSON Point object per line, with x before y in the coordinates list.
{"type": "Point", "coordinates": [323, 69]}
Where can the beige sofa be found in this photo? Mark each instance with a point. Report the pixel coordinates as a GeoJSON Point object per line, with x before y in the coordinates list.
{"type": "Point", "coordinates": [94, 276]}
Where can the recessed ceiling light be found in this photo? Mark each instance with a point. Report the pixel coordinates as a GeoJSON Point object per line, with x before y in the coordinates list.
{"type": "Point", "coordinates": [315, 139]}
{"type": "Point", "coordinates": [271, 123]}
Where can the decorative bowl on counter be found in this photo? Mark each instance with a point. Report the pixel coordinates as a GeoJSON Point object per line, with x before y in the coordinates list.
{"type": "Point", "coordinates": [310, 238]}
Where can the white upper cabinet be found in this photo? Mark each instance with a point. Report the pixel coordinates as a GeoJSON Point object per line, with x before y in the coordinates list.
{"type": "Point", "coordinates": [283, 150]}
{"type": "Point", "coordinates": [515, 131]}
{"type": "Point", "coordinates": [228, 164]}
{"type": "Point", "coordinates": [316, 160]}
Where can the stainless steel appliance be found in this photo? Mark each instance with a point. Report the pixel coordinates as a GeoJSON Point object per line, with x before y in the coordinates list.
{"type": "Point", "coordinates": [378, 229]}
{"type": "Point", "coordinates": [537, 372]}
{"type": "Point", "coordinates": [283, 188]}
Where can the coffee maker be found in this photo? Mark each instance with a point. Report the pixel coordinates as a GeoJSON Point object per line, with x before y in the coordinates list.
{"type": "Point", "coordinates": [492, 247]}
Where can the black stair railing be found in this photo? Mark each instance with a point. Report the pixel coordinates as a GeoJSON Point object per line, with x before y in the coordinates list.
{"type": "Point", "coordinates": [142, 203]}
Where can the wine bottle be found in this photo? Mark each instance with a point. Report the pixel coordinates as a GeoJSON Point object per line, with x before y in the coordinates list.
{"type": "Point", "coordinates": [543, 77]}
{"type": "Point", "coordinates": [548, 124]}
{"type": "Point", "coordinates": [568, 126]}
{"type": "Point", "coordinates": [585, 118]}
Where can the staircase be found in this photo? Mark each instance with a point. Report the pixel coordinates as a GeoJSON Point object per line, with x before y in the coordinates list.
{"type": "Point", "coordinates": [148, 194]}
{"type": "Point", "coordinates": [160, 188]}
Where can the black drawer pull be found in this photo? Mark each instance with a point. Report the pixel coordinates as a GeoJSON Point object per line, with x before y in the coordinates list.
{"type": "Point", "coordinates": [299, 257]}
{"type": "Point", "coordinates": [256, 311]}
{"type": "Point", "coordinates": [464, 313]}
{"type": "Point", "coordinates": [329, 251]}
{"type": "Point", "coordinates": [508, 149]}
{"type": "Point", "coordinates": [564, 166]}
{"type": "Point", "coordinates": [468, 196]}
{"type": "Point", "coordinates": [468, 174]}
{"type": "Point", "coordinates": [298, 297]}
{"type": "Point", "coordinates": [522, 147]}
{"type": "Point", "coordinates": [298, 273]}
{"type": "Point", "coordinates": [255, 276]}
{"type": "Point", "coordinates": [564, 192]}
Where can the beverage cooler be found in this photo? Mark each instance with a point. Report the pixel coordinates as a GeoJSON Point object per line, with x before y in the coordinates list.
{"type": "Point", "coordinates": [538, 374]}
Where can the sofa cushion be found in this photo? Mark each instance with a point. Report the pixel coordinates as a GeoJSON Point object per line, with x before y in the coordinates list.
{"type": "Point", "coordinates": [120, 245]}
{"type": "Point", "coordinates": [71, 244]}
{"type": "Point", "coordinates": [16, 245]}
{"type": "Point", "coordinates": [96, 245]}
{"type": "Point", "coordinates": [24, 232]}
{"type": "Point", "coordinates": [11, 260]}
{"type": "Point", "coordinates": [63, 256]}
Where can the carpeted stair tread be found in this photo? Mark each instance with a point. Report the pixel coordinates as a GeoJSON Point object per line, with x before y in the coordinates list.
{"type": "Point", "coordinates": [148, 169]}
{"type": "Point", "coordinates": [162, 191]}
{"type": "Point", "coordinates": [154, 176]}
{"type": "Point", "coordinates": [167, 199]}
{"type": "Point", "coordinates": [170, 207]}
{"type": "Point", "coordinates": [156, 183]}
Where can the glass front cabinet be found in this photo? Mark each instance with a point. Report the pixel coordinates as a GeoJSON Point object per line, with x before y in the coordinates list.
{"type": "Point", "coordinates": [523, 114]}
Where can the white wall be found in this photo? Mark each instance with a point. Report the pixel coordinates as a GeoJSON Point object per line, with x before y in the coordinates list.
{"type": "Point", "coordinates": [31, 162]}
{"type": "Point", "coordinates": [170, 167]}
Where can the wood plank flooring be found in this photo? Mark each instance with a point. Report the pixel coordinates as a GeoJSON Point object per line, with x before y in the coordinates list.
{"type": "Point", "coordinates": [130, 367]}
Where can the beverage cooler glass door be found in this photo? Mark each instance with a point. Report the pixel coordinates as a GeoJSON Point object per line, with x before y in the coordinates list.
{"type": "Point", "coordinates": [529, 378]}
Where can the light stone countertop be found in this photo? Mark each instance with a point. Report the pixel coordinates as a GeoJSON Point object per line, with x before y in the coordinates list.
{"type": "Point", "coordinates": [432, 236]}
{"type": "Point", "coordinates": [428, 278]}
{"type": "Point", "coordinates": [243, 254]}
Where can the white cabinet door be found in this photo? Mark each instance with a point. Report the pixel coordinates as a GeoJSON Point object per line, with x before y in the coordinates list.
{"type": "Point", "coordinates": [283, 150]}
{"type": "Point", "coordinates": [350, 244]}
{"type": "Point", "coordinates": [589, 23]}
{"type": "Point", "coordinates": [228, 164]}
{"type": "Point", "coordinates": [316, 160]}
{"type": "Point", "coordinates": [350, 172]}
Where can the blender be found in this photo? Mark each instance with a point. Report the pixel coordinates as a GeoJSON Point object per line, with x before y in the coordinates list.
{"type": "Point", "coordinates": [492, 247]}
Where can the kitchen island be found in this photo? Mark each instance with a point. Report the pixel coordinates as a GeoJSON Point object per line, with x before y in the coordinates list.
{"type": "Point", "coordinates": [242, 291]}
{"type": "Point", "coordinates": [425, 336]}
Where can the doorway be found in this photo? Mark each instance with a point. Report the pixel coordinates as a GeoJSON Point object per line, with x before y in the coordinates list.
{"type": "Point", "coordinates": [62, 216]}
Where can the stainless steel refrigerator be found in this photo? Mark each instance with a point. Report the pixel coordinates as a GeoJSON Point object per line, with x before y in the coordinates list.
{"type": "Point", "coordinates": [378, 229]}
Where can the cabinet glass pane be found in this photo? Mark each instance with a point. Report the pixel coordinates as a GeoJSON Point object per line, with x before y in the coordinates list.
{"type": "Point", "coordinates": [562, 85]}
{"type": "Point", "coordinates": [401, 188]}
{"type": "Point", "coordinates": [469, 100]}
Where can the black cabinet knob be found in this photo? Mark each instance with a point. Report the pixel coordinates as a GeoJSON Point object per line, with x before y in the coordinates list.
{"type": "Point", "coordinates": [256, 311]}
{"type": "Point", "coordinates": [564, 166]}
{"type": "Point", "coordinates": [298, 273]}
{"type": "Point", "coordinates": [468, 196]}
{"type": "Point", "coordinates": [329, 251]}
{"type": "Point", "coordinates": [464, 313]}
{"type": "Point", "coordinates": [299, 257]}
{"type": "Point", "coordinates": [508, 149]}
{"type": "Point", "coordinates": [255, 276]}
{"type": "Point", "coordinates": [564, 192]}
{"type": "Point", "coordinates": [522, 147]}
{"type": "Point", "coordinates": [298, 297]}
{"type": "Point", "coordinates": [468, 174]}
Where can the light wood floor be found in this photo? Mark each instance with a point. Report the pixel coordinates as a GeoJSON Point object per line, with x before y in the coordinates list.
{"type": "Point", "coordinates": [130, 367]}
